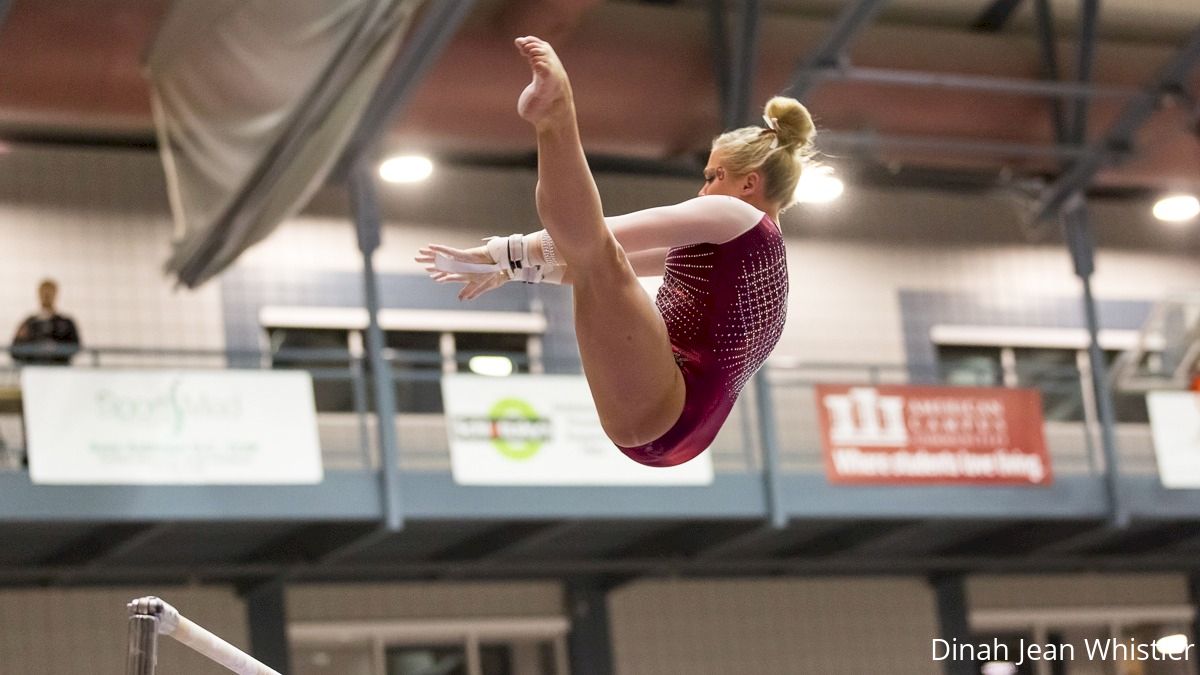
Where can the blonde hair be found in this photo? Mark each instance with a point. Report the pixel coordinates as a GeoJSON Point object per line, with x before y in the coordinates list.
{"type": "Point", "coordinates": [778, 151]}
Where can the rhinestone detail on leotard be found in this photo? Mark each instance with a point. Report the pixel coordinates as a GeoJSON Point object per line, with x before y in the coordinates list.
{"type": "Point", "coordinates": [724, 306]}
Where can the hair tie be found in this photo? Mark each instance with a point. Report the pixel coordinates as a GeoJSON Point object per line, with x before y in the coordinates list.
{"type": "Point", "coordinates": [772, 127]}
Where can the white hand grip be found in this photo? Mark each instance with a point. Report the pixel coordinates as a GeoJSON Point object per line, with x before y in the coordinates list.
{"type": "Point", "coordinates": [447, 264]}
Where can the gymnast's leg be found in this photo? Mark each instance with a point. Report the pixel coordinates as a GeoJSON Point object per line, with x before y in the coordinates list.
{"type": "Point", "coordinates": [623, 342]}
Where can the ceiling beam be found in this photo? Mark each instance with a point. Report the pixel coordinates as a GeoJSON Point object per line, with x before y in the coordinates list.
{"type": "Point", "coordinates": [969, 147]}
{"type": "Point", "coordinates": [100, 543]}
{"type": "Point", "coordinates": [923, 538]}
{"type": "Point", "coordinates": [995, 16]}
{"type": "Point", "coordinates": [488, 542]}
{"type": "Point", "coordinates": [854, 18]}
{"type": "Point", "coordinates": [531, 540]}
{"type": "Point", "coordinates": [1048, 46]}
{"type": "Point", "coordinates": [842, 539]}
{"type": "Point", "coordinates": [1119, 138]}
{"type": "Point", "coordinates": [311, 543]}
{"type": "Point", "coordinates": [398, 570]}
{"type": "Point", "coordinates": [1084, 62]}
{"type": "Point", "coordinates": [4, 5]}
{"type": "Point", "coordinates": [1001, 85]}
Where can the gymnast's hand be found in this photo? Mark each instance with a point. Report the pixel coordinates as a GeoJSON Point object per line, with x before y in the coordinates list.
{"type": "Point", "coordinates": [476, 284]}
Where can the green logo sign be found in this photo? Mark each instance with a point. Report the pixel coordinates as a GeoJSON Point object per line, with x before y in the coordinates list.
{"type": "Point", "coordinates": [518, 432]}
{"type": "Point", "coordinates": [512, 426]}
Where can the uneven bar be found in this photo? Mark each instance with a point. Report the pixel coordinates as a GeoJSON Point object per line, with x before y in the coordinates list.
{"type": "Point", "coordinates": [150, 616]}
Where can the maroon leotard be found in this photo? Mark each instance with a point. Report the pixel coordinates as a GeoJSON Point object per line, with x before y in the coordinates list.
{"type": "Point", "coordinates": [724, 306]}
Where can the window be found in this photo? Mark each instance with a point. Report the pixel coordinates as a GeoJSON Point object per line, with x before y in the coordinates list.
{"type": "Point", "coordinates": [1054, 372]}
{"type": "Point", "coordinates": [1085, 641]}
{"type": "Point", "coordinates": [1053, 361]}
{"type": "Point", "coordinates": [970, 366]}
{"type": "Point", "coordinates": [317, 350]}
{"type": "Point", "coordinates": [511, 346]}
{"type": "Point", "coordinates": [417, 368]}
{"type": "Point", "coordinates": [431, 660]}
{"type": "Point", "coordinates": [421, 346]}
{"type": "Point", "coordinates": [466, 646]}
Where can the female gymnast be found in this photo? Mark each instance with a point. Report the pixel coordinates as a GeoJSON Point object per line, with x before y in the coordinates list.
{"type": "Point", "coordinates": [663, 375]}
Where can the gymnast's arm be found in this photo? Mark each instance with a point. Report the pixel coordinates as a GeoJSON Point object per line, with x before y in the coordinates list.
{"type": "Point", "coordinates": [650, 263]}
{"type": "Point", "coordinates": [646, 236]}
{"type": "Point", "coordinates": [711, 219]}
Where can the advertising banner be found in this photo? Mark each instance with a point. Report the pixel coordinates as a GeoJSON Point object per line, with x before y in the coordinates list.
{"type": "Point", "coordinates": [896, 435]}
{"type": "Point", "coordinates": [542, 430]}
{"type": "Point", "coordinates": [1175, 426]}
{"type": "Point", "coordinates": [151, 427]}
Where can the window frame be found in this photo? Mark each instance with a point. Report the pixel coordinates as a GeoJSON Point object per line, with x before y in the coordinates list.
{"type": "Point", "coordinates": [1008, 339]}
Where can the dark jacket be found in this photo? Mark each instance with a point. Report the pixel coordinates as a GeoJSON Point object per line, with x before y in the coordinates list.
{"type": "Point", "coordinates": [45, 340]}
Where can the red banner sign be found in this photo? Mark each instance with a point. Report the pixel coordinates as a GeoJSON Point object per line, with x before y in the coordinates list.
{"type": "Point", "coordinates": [890, 434]}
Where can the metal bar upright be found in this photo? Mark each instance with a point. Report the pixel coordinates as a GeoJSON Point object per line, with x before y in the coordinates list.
{"type": "Point", "coordinates": [954, 624]}
{"type": "Point", "coordinates": [266, 613]}
{"type": "Point", "coordinates": [770, 448]}
{"type": "Point", "coordinates": [1079, 239]}
{"type": "Point", "coordinates": [365, 205]}
{"type": "Point", "coordinates": [142, 655]}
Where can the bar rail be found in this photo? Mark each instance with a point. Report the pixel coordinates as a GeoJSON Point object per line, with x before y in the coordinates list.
{"type": "Point", "coordinates": [150, 616]}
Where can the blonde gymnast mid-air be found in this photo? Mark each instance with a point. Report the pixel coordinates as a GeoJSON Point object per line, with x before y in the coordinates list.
{"type": "Point", "coordinates": [664, 374]}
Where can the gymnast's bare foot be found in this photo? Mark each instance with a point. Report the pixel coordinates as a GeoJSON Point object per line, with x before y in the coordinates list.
{"type": "Point", "coordinates": [549, 94]}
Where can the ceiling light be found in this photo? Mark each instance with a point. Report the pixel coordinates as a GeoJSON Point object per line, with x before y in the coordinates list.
{"type": "Point", "coordinates": [998, 668]}
{"type": "Point", "coordinates": [818, 185]}
{"type": "Point", "coordinates": [406, 169]}
{"type": "Point", "coordinates": [495, 366]}
{"type": "Point", "coordinates": [1172, 644]}
{"type": "Point", "coordinates": [1177, 208]}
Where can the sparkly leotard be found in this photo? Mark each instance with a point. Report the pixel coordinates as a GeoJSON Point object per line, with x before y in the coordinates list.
{"type": "Point", "coordinates": [724, 306]}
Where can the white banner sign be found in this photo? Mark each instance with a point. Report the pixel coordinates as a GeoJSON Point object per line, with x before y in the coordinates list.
{"type": "Point", "coordinates": [1175, 424]}
{"type": "Point", "coordinates": [542, 430]}
{"type": "Point", "coordinates": [170, 427]}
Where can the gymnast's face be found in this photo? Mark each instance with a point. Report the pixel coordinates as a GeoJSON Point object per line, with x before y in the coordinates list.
{"type": "Point", "coordinates": [717, 181]}
{"type": "Point", "coordinates": [720, 181]}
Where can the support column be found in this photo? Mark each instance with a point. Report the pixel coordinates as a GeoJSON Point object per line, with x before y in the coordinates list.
{"type": "Point", "coordinates": [267, 618]}
{"type": "Point", "coordinates": [365, 205]}
{"type": "Point", "coordinates": [1079, 240]}
{"type": "Point", "coordinates": [589, 643]}
{"type": "Point", "coordinates": [953, 623]}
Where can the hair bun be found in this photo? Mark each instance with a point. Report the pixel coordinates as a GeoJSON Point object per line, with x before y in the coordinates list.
{"type": "Point", "coordinates": [792, 122]}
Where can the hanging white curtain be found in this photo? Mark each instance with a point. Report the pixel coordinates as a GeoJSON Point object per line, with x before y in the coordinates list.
{"type": "Point", "coordinates": [254, 101]}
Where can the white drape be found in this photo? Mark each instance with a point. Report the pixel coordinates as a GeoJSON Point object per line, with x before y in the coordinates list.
{"type": "Point", "coordinates": [254, 101]}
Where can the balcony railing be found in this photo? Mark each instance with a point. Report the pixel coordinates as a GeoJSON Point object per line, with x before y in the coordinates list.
{"type": "Point", "coordinates": [348, 433]}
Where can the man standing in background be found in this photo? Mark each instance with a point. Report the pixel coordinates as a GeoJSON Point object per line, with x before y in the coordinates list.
{"type": "Point", "coordinates": [46, 338]}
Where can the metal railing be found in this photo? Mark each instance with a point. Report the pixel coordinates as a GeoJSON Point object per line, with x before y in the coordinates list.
{"type": "Point", "coordinates": [349, 428]}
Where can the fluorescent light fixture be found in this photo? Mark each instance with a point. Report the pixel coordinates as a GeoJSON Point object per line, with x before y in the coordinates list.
{"type": "Point", "coordinates": [1172, 644]}
{"type": "Point", "coordinates": [406, 169]}
{"type": "Point", "coordinates": [818, 185]}
{"type": "Point", "coordinates": [998, 668]}
{"type": "Point", "coordinates": [495, 366]}
{"type": "Point", "coordinates": [1177, 208]}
